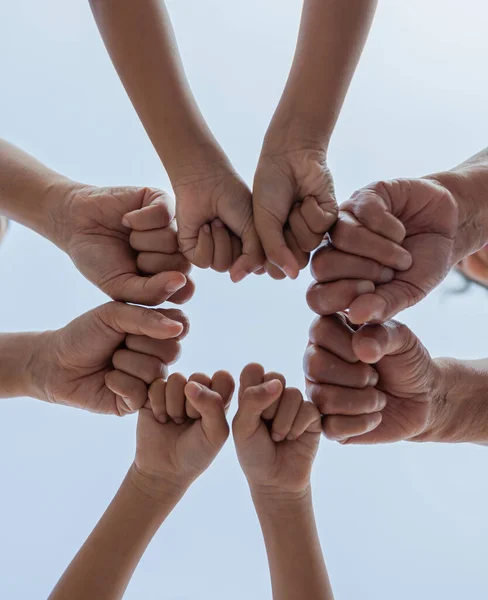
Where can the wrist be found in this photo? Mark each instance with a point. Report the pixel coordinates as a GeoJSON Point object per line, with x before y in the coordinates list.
{"type": "Point", "coordinates": [276, 500]}
{"type": "Point", "coordinates": [293, 132]}
{"type": "Point", "coordinates": [468, 184]}
{"type": "Point", "coordinates": [194, 163]}
{"type": "Point", "coordinates": [164, 490]}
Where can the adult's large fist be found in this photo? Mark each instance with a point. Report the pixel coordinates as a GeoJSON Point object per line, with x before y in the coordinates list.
{"type": "Point", "coordinates": [393, 243]}
{"type": "Point", "coordinates": [375, 385]}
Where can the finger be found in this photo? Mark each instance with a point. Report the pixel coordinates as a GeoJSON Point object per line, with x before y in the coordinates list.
{"type": "Point", "coordinates": [124, 318]}
{"type": "Point", "coordinates": [329, 264]}
{"type": "Point", "coordinates": [204, 380]}
{"type": "Point", "coordinates": [342, 428]}
{"type": "Point", "coordinates": [131, 392]}
{"type": "Point", "coordinates": [321, 366]}
{"type": "Point", "coordinates": [302, 256]}
{"type": "Point", "coordinates": [273, 271]}
{"type": "Point", "coordinates": [251, 258]}
{"type": "Point", "coordinates": [179, 316]}
{"type": "Point", "coordinates": [175, 398]}
{"type": "Point", "coordinates": [290, 403]}
{"type": "Point", "coordinates": [129, 287]}
{"type": "Point", "coordinates": [223, 383]}
{"type": "Point", "coordinates": [142, 366]}
{"type": "Point", "coordinates": [210, 406]}
{"type": "Point", "coordinates": [236, 248]}
{"type": "Point", "coordinates": [371, 210]}
{"type": "Point", "coordinates": [204, 250]}
{"type": "Point", "coordinates": [167, 351]}
{"type": "Point", "coordinates": [338, 400]}
{"type": "Point", "coordinates": [329, 298]}
{"type": "Point", "coordinates": [372, 342]}
{"type": "Point", "coordinates": [156, 240]}
{"type": "Point", "coordinates": [222, 255]}
{"type": "Point", "coordinates": [271, 411]}
{"type": "Point", "coordinates": [252, 375]}
{"type": "Point", "coordinates": [155, 262]}
{"type": "Point", "coordinates": [387, 301]}
{"type": "Point", "coordinates": [186, 293]}
{"type": "Point", "coordinates": [306, 238]}
{"type": "Point", "coordinates": [260, 271]}
{"type": "Point", "coordinates": [254, 401]}
{"type": "Point", "coordinates": [349, 235]}
{"type": "Point", "coordinates": [158, 214]}
{"type": "Point", "coordinates": [157, 399]}
{"type": "Point", "coordinates": [333, 333]}
{"type": "Point", "coordinates": [308, 420]}
{"type": "Point", "coordinates": [270, 231]}
{"type": "Point", "coordinates": [319, 217]}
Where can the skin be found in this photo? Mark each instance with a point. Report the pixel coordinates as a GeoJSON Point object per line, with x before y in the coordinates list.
{"type": "Point", "coordinates": [378, 384]}
{"type": "Point", "coordinates": [218, 220]}
{"type": "Point", "coordinates": [137, 263]}
{"type": "Point", "coordinates": [169, 457]}
{"type": "Point", "coordinates": [276, 435]}
{"type": "Point", "coordinates": [395, 241]}
{"type": "Point", "coordinates": [475, 267]}
{"type": "Point", "coordinates": [103, 361]}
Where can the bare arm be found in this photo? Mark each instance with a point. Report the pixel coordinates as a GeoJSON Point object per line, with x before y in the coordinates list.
{"type": "Point", "coordinates": [18, 353]}
{"type": "Point", "coordinates": [140, 40]}
{"type": "Point", "coordinates": [293, 547]}
{"type": "Point", "coordinates": [104, 566]}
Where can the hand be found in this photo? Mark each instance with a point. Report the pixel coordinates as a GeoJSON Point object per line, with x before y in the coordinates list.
{"type": "Point", "coordinates": [409, 226]}
{"type": "Point", "coordinates": [375, 385]}
{"type": "Point", "coordinates": [172, 446]}
{"type": "Point", "coordinates": [276, 433]}
{"type": "Point", "coordinates": [294, 206]}
{"type": "Point", "coordinates": [215, 222]}
{"type": "Point", "coordinates": [105, 360]}
{"type": "Point", "coordinates": [96, 234]}
{"type": "Point", "coordinates": [3, 227]}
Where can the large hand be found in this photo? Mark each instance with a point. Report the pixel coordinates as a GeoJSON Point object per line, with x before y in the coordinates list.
{"type": "Point", "coordinates": [175, 445]}
{"type": "Point", "coordinates": [392, 400]}
{"type": "Point", "coordinates": [406, 225]}
{"type": "Point", "coordinates": [105, 360]}
{"type": "Point", "coordinates": [97, 235]}
{"type": "Point", "coordinates": [215, 222]}
{"type": "Point", "coordinates": [294, 206]}
{"type": "Point", "coordinates": [276, 433]}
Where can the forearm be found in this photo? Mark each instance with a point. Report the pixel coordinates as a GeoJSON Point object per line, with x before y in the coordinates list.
{"type": "Point", "coordinates": [460, 408]}
{"type": "Point", "coordinates": [104, 566]}
{"type": "Point", "coordinates": [468, 183]}
{"type": "Point", "coordinates": [331, 39]}
{"type": "Point", "coordinates": [293, 547]}
{"type": "Point", "coordinates": [29, 191]}
{"type": "Point", "coordinates": [139, 38]}
{"type": "Point", "coordinates": [18, 365]}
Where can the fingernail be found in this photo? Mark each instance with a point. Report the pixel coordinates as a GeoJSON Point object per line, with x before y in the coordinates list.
{"type": "Point", "coordinates": [386, 275]}
{"type": "Point", "coordinates": [179, 421]}
{"type": "Point", "coordinates": [125, 222]}
{"type": "Point", "coordinates": [376, 316]}
{"type": "Point", "coordinates": [163, 419]}
{"type": "Point", "coordinates": [169, 323]}
{"type": "Point", "coordinates": [198, 388]}
{"type": "Point", "coordinates": [374, 377]}
{"type": "Point", "coordinates": [382, 401]}
{"type": "Point", "coordinates": [276, 437]}
{"type": "Point", "coordinates": [290, 438]}
{"type": "Point", "coordinates": [218, 223]}
{"type": "Point", "coordinates": [365, 287]}
{"type": "Point", "coordinates": [273, 386]}
{"type": "Point", "coordinates": [404, 261]}
{"type": "Point", "coordinates": [239, 276]}
{"type": "Point", "coordinates": [174, 285]}
{"type": "Point", "coordinates": [206, 228]}
{"type": "Point", "coordinates": [290, 272]}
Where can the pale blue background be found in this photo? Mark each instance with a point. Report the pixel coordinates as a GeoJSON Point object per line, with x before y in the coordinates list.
{"type": "Point", "coordinates": [395, 521]}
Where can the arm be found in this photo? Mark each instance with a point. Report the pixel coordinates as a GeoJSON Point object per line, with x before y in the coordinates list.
{"type": "Point", "coordinates": [277, 435]}
{"type": "Point", "coordinates": [104, 566]}
{"type": "Point", "coordinates": [19, 364]}
{"type": "Point", "coordinates": [140, 40]}
{"type": "Point", "coordinates": [293, 547]}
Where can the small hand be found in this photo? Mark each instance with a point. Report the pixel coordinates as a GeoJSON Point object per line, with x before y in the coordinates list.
{"type": "Point", "coordinates": [116, 237]}
{"type": "Point", "coordinates": [172, 446]}
{"type": "Point", "coordinates": [276, 433]}
{"type": "Point", "coordinates": [215, 222]}
{"type": "Point", "coordinates": [374, 385]}
{"type": "Point", "coordinates": [409, 226]}
{"type": "Point", "coordinates": [294, 206]}
{"type": "Point", "coordinates": [105, 360]}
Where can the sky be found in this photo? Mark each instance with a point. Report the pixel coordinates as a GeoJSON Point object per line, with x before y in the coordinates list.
{"type": "Point", "coordinates": [395, 521]}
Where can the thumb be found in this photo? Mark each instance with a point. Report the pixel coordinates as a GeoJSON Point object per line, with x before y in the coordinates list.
{"type": "Point", "coordinates": [156, 212]}
{"type": "Point", "coordinates": [151, 291]}
{"type": "Point", "coordinates": [372, 342]}
{"type": "Point", "coordinates": [254, 401]}
{"type": "Point", "coordinates": [210, 406]}
{"type": "Point", "coordinates": [252, 257]}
